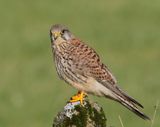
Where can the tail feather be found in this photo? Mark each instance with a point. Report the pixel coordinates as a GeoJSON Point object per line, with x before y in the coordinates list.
{"type": "Point", "coordinates": [115, 89]}
{"type": "Point", "coordinates": [115, 93]}
{"type": "Point", "coordinates": [133, 108]}
{"type": "Point", "coordinates": [130, 98]}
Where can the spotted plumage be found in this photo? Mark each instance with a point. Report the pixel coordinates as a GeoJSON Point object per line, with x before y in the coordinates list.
{"type": "Point", "coordinates": [80, 66]}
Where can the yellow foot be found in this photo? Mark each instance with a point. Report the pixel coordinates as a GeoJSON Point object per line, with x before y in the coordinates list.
{"type": "Point", "coordinates": [80, 96]}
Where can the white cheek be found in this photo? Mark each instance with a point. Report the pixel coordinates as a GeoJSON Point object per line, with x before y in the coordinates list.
{"type": "Point", "coordinates": [53, 38]}
{"type": "Point", "coordinates": [67, 37]}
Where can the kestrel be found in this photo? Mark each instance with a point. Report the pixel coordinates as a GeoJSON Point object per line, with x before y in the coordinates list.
{"type": "Point", "coordinates": [80, 66]}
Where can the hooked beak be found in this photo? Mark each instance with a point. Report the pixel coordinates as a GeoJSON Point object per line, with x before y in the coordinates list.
{"type": "Point", "coordinates": [56, 35]}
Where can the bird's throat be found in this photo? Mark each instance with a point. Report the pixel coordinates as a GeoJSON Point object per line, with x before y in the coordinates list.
{"type": "Point", "coordinates": [60, 44]}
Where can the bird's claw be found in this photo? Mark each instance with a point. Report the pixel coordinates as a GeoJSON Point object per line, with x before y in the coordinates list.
{"type": "Point", "coordinates": [80, 96]}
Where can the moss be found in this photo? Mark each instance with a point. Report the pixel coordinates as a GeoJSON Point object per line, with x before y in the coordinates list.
{"type": "Point", "coordinates": [80, 120]}
{"type": "Point", "coordinates": [99, 118]}
{"type": "Point", "coordinates": [83, 116]}
{"type": "Point", "coordinates": [97, 115]}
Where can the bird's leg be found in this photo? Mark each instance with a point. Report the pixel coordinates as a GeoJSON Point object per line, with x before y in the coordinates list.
{"type": "Point", "coordinates": [78, 97]}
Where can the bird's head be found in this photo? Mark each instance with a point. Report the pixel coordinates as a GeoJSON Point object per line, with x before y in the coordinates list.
{"type": "Point", "coordinates": [59, 31]}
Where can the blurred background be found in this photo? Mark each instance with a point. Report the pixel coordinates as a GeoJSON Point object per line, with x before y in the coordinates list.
{"type": "Point", "coordinates": [125, 33]}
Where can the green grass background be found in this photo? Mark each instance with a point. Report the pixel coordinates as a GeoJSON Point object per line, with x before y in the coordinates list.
{"type": "Point", "coordinates": [126, 34]}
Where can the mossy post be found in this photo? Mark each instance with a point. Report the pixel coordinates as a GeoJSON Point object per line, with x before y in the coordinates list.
{"type": "Point", "coordinates": [77, 115]}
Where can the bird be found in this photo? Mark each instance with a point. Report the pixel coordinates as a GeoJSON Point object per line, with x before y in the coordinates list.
{"type": "Point", "coordinates": [80, 66]}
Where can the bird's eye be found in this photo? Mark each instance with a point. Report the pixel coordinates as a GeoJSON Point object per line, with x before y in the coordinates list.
{"type": "Point", "coordinates": [63, 31]}
{"type": "Point", "coordinates": [65, 34]}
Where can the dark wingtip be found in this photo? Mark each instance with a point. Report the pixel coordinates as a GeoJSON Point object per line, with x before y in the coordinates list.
{"type": "Point", "coordinates": [135, 110]}
{"type": "Point", "coordinates": [130, 98]}
{"type": "Point", "coordinates": [145, 117]}
{"type": "Point", "coordinates": [135, 102]}
{"type": "Point", "coordinates": [141, 114]}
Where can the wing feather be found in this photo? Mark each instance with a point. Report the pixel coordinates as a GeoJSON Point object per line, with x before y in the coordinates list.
{"type": "Point", "coordinates": [89, 64]}
{"type": "Point", "coordinates": [86, 62]}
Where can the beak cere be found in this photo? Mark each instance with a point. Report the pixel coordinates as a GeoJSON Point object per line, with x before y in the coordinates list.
{"type": "Point", "coordinates": [56, 35]}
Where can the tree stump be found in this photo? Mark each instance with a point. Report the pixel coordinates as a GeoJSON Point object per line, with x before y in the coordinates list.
{"type": "Point", "coordinates": [77, 115]}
